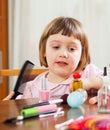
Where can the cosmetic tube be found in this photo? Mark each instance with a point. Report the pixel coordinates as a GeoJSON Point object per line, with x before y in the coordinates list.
{"type": "Point", "coordinates": [38, 110]}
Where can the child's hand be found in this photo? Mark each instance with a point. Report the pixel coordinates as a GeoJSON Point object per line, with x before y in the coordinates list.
{"type": "Point", "coordinates": [93, 100]}
{"type": "Point", "coordinates": [11, 94]}
{"type": "Point", "coordinates": [93, 82]}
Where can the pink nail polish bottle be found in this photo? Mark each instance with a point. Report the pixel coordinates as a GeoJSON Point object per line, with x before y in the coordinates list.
{"type": "Point", "coordinates": [44, 93]}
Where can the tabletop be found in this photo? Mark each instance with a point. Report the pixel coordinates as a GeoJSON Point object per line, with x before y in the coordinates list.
{"type": "Point", "coordinates": [11, 108]}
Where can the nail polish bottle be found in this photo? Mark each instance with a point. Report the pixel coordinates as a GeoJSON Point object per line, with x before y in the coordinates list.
{"type": "Point", "coordinates": [78, 95]}
{"type": "Point", "coordinates": [104, 94]}
{"type": "Point", "coordinates": [44, 93]}
{"type": "Point", "coordinates": [76, 82]}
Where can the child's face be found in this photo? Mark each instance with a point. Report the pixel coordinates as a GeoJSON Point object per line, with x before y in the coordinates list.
{"type": "Point", "coordinates": [63, 54]}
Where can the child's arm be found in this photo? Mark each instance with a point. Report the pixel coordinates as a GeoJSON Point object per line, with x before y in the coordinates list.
{"type": "Point", "coordinates": [10, 95]}
{"type": "Point", "coordinates": [94, 82]}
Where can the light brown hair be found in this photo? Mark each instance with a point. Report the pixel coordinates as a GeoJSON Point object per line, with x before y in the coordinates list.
{"type": "Point", "coordinates": [68, 26]}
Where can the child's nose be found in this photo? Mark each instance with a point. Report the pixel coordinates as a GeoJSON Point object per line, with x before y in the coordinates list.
{"type": "Point", "coordinates": [64, 54]}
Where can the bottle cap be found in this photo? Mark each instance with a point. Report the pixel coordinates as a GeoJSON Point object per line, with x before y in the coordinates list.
{"type": "Point", "coordinates": [76, 75]}
{"type": "Point", "coordinates": [29, 111]}
{"type": "Point", "coordinates": [105, 71]}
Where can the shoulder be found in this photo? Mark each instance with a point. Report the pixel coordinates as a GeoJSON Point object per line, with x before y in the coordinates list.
{"type": "Point", "coordinates": [92, 70]}
{"type": "Point", "coordinates": [33, 83]}
{"type": "Point", "coordinates": [37, 79]}
{"type": "Point", "coordinates": [40, 76]}
{"type": "Point", "coordinates": [92, 67]}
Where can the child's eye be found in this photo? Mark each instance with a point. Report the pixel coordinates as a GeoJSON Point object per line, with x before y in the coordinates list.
{"type": "Point", "coordinates": [56, 47]}
{"type": "Point", "coordinates": [71, 49]}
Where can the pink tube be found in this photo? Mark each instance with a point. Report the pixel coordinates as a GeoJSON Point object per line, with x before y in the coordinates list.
{"type": "Point", "coordinates": [39, 109]}
{"type": "Point", "coordinates": [51, 107]}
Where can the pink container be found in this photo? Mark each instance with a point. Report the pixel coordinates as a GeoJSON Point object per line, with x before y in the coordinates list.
{"type": "Point", "coordinates": [44, 95]}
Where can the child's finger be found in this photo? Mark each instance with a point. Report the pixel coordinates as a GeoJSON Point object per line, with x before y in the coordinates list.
{"type": "Point", "coordinates": [11, 94]}
{"type": "Point", "coordinates": [93, 100]}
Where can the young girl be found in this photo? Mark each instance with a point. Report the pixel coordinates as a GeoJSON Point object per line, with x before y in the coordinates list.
{"type": "Point", "coordinates": [63, 48]}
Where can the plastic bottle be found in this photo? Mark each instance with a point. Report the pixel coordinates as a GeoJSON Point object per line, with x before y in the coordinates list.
{"type": "Point", "coordinates": [78, 94]}
{"type": "Point", "coordinates": [104, 96]}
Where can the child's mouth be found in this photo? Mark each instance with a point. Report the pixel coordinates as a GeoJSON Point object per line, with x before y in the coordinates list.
{"type": "Point", "coordinates": [61, 63]}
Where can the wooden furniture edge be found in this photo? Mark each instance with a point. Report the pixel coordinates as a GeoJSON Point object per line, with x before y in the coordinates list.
{"type": "Point", "coordinates": [15, 72]}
